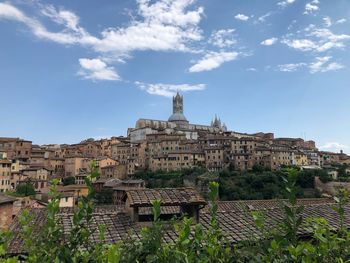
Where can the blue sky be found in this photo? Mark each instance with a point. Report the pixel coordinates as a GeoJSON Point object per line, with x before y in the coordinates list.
{"type": "Point", "coordinates": [70, 70]}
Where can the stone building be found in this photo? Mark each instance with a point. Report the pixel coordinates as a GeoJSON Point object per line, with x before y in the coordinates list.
{"type": "Point", "coordinates": [6, 211]}
{"type": "Point", "coordinates": [300, 159]}
{"type": "Point", "coordinates": [38, 176]}
{"type": "Point", "coordinates": [5, 175]}
{"type": "Point", "coordinates": [16, 148]}
{"type": "Point", "coordinates": [295, 142]}
{"type": "Point", "coordinates": [76, 164]}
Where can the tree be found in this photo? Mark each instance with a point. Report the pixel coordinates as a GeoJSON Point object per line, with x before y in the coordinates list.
{"type": "Point", "coordinates": [25, 189]}
{"type": "Point", "coordinates": [342, 171]}
{"type": "Point", "coordinates": [258, 168]}
{"type": "Point", "coordinates": [324, 176]}
{"type": "Point", "coordinates": [306, 179]}
{"type": "Point", "coordinates": [68, 180]}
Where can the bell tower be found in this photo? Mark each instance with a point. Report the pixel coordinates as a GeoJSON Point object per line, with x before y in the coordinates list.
{"type": "Point", "coordinates": [178, 116]}
{"type": "Point", "coordinates": [178, 106]}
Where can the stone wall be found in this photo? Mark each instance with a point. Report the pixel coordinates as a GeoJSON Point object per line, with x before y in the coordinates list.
{"type": "Point", "coordinates": [331, 187]}
{"type": "Point", "coordinates": [6, 211]}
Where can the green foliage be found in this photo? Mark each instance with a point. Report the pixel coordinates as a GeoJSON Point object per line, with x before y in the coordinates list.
{"type": "Point", "coordinates": [306, 179]}
{"type": "Point", "coordinates": [324, 176]}
{"type": "Point", "coordinates": [68, 180]}
{"type": "Point", "coordinates": [259, 168]}
{"type": "Point", "coordinates": [47, 244]}
{"type": "Point", "coordinates": [342, 171]}
{"type": "Point", "coordinates": [193, 242]}
{"type": "Point", "coordinates": [25, 189]}
{"type": "Point", "coordinates": [262, 184]}
{"type": "Point", "coordinates": [162, 179]}
{"type": "Point", "coordinates": [250, 186]}
{"type": "Point", "coordinates": [4, 238]}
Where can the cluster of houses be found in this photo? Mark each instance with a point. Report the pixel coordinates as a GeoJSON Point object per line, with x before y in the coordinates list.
{"type": "Point", "coordinates": [151, 145]}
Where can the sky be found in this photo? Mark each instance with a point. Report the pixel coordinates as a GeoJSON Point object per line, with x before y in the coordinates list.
{"type": "Point", "coordinates": [71, 70]}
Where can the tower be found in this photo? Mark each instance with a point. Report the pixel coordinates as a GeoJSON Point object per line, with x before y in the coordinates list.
{"type": "Point", "coordinates": [178, 106]}
{"type": "Point", "coordinates": [216, 123]}
{"type": "Point", "coordinates": [178, 111]}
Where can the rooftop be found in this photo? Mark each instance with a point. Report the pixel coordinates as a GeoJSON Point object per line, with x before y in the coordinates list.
{"type": "Point", "coordinates": [168, 197]}
{"type": "Point", "coordinates": [235, 223]}
{"type": "Point", "coordinates": [4, 199]}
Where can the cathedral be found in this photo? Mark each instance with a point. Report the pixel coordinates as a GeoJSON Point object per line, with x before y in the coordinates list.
{"type": "Point", "coordinates": [177, 122]}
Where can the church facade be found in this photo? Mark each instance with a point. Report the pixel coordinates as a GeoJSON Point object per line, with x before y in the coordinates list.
{"type": "Point", "coordinates": [177, 123]}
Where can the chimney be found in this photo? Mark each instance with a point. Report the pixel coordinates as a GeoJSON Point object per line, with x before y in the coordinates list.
{"type": "Point", "coordinates": [176, 202]}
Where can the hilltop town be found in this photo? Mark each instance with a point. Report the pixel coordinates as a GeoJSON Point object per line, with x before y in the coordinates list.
{"type": "Point", "coordinates": [156, 145]}
{"type": "Point", "coordinates": [123, 202]}
{"type": "Point", "coordinates": [151, 146]}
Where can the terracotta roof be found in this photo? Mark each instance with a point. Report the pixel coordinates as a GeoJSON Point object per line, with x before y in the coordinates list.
{"type": "Point", "coordinates": [164, 210]}
{"type": "Point", "coordinates": [132, 181]}
{"type": "Point", "coordinates": [6, 199]}
{"type": "Point", "coordinates": [240, 205]}
{"type": "Point", "coordinates": [168, 196]}
{"type": "Point", "coordinates": [236, 225]}
{"type": "Point", "coordinates": [117, 226]}
{"type": "Point", "coordinates": [32, 168]}
{"type": "Point", "coordinates": [112, 182]}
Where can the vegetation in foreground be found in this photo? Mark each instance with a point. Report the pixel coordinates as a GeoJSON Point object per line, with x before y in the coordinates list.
{"type": "Point", "coordinates": [193, 244]}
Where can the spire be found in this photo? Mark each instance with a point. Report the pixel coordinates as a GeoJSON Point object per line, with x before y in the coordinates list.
{"type": "Point", "coordinates": [178, 103]}
{"type": "Point", "coordinates": [178, 110]}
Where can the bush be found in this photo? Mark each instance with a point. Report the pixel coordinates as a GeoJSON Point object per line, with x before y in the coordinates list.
{"type": "Point", "coordinates": [68, 180]}
{"type": "Point", "coordinates": [25, 189]}
{"type": "Point", "coordinates": [324, 176]}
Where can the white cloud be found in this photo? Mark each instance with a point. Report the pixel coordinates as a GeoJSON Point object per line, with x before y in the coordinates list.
{"type": "Point", "coordinates": [290, 67]}
{"type": "Point", "coordinates": [223, 38]}
{"type": "Point", "coordinates": [311, 7]}
{"type": "Point", "coordinates": [168, 90]}
{"type": "Point", "coordinates": [285, 3]}
{"type": "Point", "coordinates": [263, 17]}
{"type": "Point", "coordinates": [213, 60]}
{"type": "Point", "coordinates": [319, 65]}
{"type": "Point", "coordinates": [163, 26]}
{"type": "Point", "coordinates": [323, 64]}
{"type": "Point", "coordinates": [341, 21]}
{"type": "Point", "coordinates": [300, 44]}
{"type": "Point", "coordinates": [252, 69]}
{"type": "Point", "coordinates": [62, 17]}
{"type": "Point", "coordinates": [96, 69]}
{"type": "Point", "coordinates": [328, 40]}
{"type": "Point", "coordinates": [69, 36]}
{"type": "Point", "coordinates": [241, 17]}
{"type": "Point", "coordinates": [327, 21]}
{"type": "Point", "coordinates": [334, 147]}
{"type": "Point", "coordinates": [269, 41]}
{"type": "Point", "coordinates": [317, 40]}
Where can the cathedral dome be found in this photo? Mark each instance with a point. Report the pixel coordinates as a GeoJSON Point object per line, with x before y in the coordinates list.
{"type": "Point", "coordinates": [177, 116]}
{"type": "Point", "coordinates": [178, 110]}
